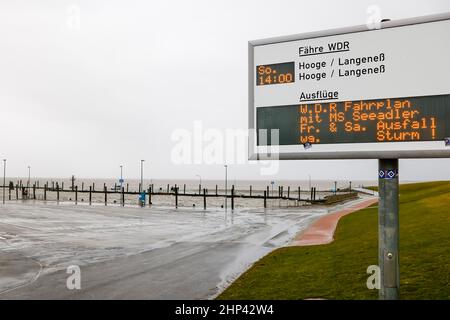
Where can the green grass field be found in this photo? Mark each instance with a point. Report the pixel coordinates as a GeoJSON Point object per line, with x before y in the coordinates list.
{"type": "Point", "coordinates": [338, 270]}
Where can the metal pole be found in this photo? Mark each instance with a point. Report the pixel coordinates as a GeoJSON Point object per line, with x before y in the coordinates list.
{"type": "Point", "coordinates": [28, 182]}
{"type": "Point", "coordinates": [4, 179]}
{"type": "Point", "coordinates": [200, 183]}
{"type": "Point", "coordinates": [226, 178]}
{"type": "Point", "coordinates": [142, 176]}
{"type": "Point", "coordinates": [121, 177]}
{"type": "Point", "coordinates": [388, 229]}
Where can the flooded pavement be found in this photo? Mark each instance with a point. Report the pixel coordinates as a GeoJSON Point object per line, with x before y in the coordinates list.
{"type": "Point", "coordinates": [136, 253]}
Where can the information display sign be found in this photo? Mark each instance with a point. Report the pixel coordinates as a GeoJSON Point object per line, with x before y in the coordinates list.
{"type": "Point", "coordinates": [353, 93]}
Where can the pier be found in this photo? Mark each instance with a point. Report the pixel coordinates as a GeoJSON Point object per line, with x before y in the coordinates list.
{"type": "Point", "coordinates": [116, 195]}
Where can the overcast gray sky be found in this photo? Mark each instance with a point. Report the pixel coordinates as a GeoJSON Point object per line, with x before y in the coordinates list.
{"type": "Point", "coordinates": [88, 85]}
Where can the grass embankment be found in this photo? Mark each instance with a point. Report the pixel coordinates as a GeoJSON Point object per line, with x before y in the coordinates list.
{"type": "Point", "coordinates": [338, 270]}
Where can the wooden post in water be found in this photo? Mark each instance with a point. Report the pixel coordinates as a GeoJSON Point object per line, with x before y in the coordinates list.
{"type": "Point", "coordinates": [106, 194]}
{"type": "Point", "coordinates": [232, 197]}
{"type": "Point", "coordinates": [62, 185]}
{"type": "Point", "coordinates": [34, 191]}
{"type": "Point", "coordinates": [82, 186]}
{"type": "Point", "coordinates": [204, 198]}
{"type": "Point", "coordinates": [57, 191]}
{"type": "Point", "coordinates": [289, 191]}
{"type": "Point", "coordinates": [250, 190]}
{"type": "Point", "coordinates": [150, 191]}
{"type": "Point", "coordinates": [167, 188]}
{"type": "Point", "coordinates": [184, 188]}
{"type": "Point", "coordinates": [199, 189]}
{"type": "Point", "coordinates": [9, 195]}
{"type": "Point", "coordinates": [149, 196]}
{"type": "Point", "coordinates": [90, 195]}
{"type": "Point", "coordinates": [299, 192]}
{"type": "Point", "coordinates": [76, 194]}
{"type": "Point", "coordinates": [216, 189]}
{"type": "Point", "coordinates": [127, 187]}
{"type": "Point", "coordinates": [123, 196]}
{"type": "Point", "coordinates": [267, 192]}
{"type": "Point", "coordinates": [45, 192]}
{"type": "Point", "coordinates": [176, 197]}
{"type": "Point", "coordinates": [175, 189]}
{"type": "Point", "coordinates": [265, 199]}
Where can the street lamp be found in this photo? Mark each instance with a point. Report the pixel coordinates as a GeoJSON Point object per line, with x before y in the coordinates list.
{"type": "Point", "coordinates": [4, 179]}
{"type": "Point", "coordinates": [28, 182]}
{"type": "Point", "coordinates": [200, 183]}
{"type": "Point", "coordinates": [226, 181]}
{"type": "Point", "coordinates": [121, 177]}
{"type": "Point", "coordinates": [142, 176]}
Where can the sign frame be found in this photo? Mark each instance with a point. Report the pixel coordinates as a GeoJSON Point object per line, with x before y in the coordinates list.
{"type": "Point", "coordinates": [274, 154]}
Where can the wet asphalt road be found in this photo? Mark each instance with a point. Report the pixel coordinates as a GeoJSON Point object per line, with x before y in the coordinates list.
{"type": "Point", "coordinates": [130, 253]}
{"type": "Point", "coordinates": [182, 271]}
